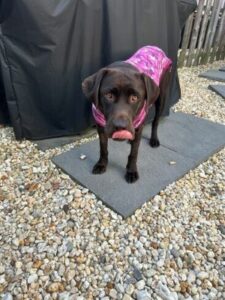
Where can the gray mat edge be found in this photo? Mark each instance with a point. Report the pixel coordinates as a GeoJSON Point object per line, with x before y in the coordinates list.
{"type": "Point", "coordinates": [205, 75]}
{"type": "Point", "coordinates": [213, 87]}
{"type": "Point", "coordinates": [63, 140]}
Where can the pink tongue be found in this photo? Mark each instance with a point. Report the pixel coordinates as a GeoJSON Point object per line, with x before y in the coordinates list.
{"type": "Point", "coordinates": [122, 135]}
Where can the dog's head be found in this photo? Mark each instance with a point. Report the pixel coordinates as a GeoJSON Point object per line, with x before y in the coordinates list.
{"type": "Point", "coordinates": [120, 93]}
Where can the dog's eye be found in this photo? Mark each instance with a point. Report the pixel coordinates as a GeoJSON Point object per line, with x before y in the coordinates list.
{"type": "Point", "coordinates": [109, 96]}
{"type": "Point", "coordinates": [133, 99]}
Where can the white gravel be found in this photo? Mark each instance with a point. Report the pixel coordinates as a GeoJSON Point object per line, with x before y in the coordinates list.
{"type": "Point", "coordinates": [57, 241]}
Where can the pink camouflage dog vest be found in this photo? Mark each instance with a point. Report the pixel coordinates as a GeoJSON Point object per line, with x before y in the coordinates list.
{"type": "Point", "coordinates": [151, 61]}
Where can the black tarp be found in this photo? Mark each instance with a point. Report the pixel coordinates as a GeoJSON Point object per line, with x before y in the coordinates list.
{"type": "Point", "coordinates": [48, 47]}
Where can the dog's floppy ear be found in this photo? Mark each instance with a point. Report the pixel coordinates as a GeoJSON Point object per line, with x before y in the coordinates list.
{"type": "Point", "coordinates": [152, 90]}
{"type": "Point", "coordinates": [91, 85]}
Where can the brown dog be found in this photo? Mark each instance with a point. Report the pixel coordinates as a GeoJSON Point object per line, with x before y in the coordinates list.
{"type": "Point", "coordinates": [121, 96]}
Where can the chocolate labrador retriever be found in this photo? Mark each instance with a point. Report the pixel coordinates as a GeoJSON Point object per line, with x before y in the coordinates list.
{"type": "Point", "coordinates": [122, 94]}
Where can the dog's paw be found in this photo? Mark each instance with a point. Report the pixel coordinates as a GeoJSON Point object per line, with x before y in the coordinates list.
{"type": "Point", "coordinates": [131, 177]}
{"type": "Point", "coordinates": [154, 143]}
{"type": "Point", "coordinates": [99, 169]}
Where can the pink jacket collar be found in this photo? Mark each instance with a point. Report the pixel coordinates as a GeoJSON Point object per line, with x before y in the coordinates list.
{"type": "Point", "coordinates": [101, 121]}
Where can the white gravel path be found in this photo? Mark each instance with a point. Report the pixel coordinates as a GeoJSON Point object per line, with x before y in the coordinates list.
{"type": "Point", "coordinates": [57, 241]}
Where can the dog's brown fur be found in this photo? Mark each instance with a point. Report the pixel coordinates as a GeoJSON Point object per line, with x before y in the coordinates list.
{"type": "Point", "coordinates": [113, 90]}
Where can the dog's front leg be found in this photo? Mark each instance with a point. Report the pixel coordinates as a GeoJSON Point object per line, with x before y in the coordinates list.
{"type": "Point", "coordinates": [132, 172]}
{"type": "Point", "coordinates": [101, 165]}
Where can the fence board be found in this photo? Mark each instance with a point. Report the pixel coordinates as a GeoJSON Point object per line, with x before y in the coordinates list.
{"type": "Point", "coordinates": [221, 37]}
{"type": "Point", "coordinates": [203, 32]}
{"type": "Point", "coordinates": [211, 31]}
{"type": "Point", "coordinates": [216, 45]}
{"type": "Point", "coordinates": [215, 42]}
{"type": "Point", "coordinates": [186, 38]}
{"type": "Point", "coordinates": [195, 32]}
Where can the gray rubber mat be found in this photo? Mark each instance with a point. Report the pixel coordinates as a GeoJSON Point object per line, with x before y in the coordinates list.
{"type": "Point", "coordinates": [219, 89]}
{"type": "Point", "coordinates": [222, 69]}
{"type": "Point", "coordinates": [214, 75]}
{"type": "Point", "coordinates": [186, 141]}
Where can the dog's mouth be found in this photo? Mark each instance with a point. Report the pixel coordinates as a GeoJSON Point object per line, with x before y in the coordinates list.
{"type": "Point", "coordinates": [119, 131]}
{"type": "Point", "coordinates": [121, 135]}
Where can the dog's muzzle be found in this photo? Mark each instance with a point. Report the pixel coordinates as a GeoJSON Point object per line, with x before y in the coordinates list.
{"type": "Point", "coordinates": [120, 124]}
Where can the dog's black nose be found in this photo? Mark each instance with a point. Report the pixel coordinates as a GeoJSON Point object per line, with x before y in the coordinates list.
{"type": "Point", "coordinates": [120, 123]}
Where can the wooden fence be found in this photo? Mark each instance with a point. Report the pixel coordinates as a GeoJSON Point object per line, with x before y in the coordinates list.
{"type": "Point", "coordinates": [204, 35]}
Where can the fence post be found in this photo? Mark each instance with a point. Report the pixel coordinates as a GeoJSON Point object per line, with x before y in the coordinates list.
{"type": "Point", "coordinates": [220, 36]}
{"type": "Point", "coordinates": [185, 41]}
{"type": "Point", "coordinates": [211, 30]}
{"type": "Point", "coordinates": [195, 32]}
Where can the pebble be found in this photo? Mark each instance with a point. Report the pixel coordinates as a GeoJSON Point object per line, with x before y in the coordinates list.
{"type": "Point", "coordinates": [194, 290]}
{"type": "Point", "coordinates": [202, 275]}
{"type": "Point", "coordinates": [2, 269]}
{"type": "Point", "coordinates": [16, 242]}
{"type": "Point", "coordinates": [151, 273]}
{"type": "Point", "coordinates": [210, 254]}
{"type": "Point", "coordinates": [163, 291]}
{"type": "Point", "coordinates": [130, 289]}
{"type": "Point", "coordinates": [179, 263]}
{"type": "Point", "coordinates": [213, 294]}
{"type": "Point", "coordinates": [64, 296]}
{"type": "Point", "coordinates": [108, 268]}
{"type": "Point", "coordinates": [7, 296]}
{"type": "Point", "coordinates": [140, 284]}
{"type": "Point", "coordinates": [69, 246]}
{"type": "Point", "coordinates": [190, 258]}
{"type": "Point", "coordinates": [143, 295]}
{"type": "Point", "coordinates": [61, 270]}
{"type": "Point", "coordinates": [127, 297]}
{"type": "Point", "coordinates": [160, 263]}
{"type": "Point", "coordinates": [113, 294]}
{"type": "Point", "coordinates": [137, 274]}
{"type": "Point", "coordinates": [32, 278]}
{"type": "Point", "coordinates": [55, 287]}
{"type": "Point", "coordinates": [70, 275]}
{"type": "Point", "coordinates": [119, 288]}
{"type": "Point", "coordinates": [2, 279]}
{"type": "Point", "coordinates": [221, 228]}
{"type": "Point", "coordinates": [191, 277]}
{"type": "Point", "coordinates": [175, 253]}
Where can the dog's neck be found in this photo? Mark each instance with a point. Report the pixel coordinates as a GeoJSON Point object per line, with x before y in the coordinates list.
{"type": "Point", "coordinates": [138, 121]}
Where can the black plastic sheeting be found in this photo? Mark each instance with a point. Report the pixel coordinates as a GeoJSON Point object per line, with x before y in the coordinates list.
{"type": "Point", "coordinates": [48, 47]}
